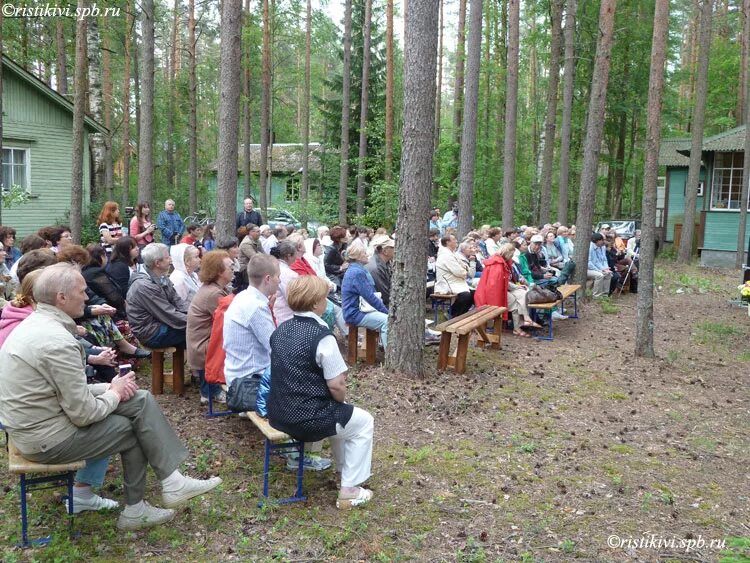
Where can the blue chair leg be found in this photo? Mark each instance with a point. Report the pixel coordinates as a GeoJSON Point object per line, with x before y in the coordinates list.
{"type": "Point", "coordinates": [266, 463]}
{"type": "Point", "coordinates": [24, 514]}
{"type": "Point", "coordinates": [300, 469]}
{"type": "Point", "coordinates": [212, 413]}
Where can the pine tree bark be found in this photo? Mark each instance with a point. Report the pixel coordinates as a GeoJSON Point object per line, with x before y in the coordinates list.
{"type": "Point", "coordinates": [246, 118]}
{"type": "Point", "coordinates": [345, 101]}
{"type": "Point", "coordinates": [551, 119]}
{"type": "Point", "coordinates": [592, 144]}
{"type": "Point", "coordinates": [685, 251]}
{"type": "Point", "coordinates": [745, 52]}
{"type": "Point", "coordinates": [363, 106]}
{"type": "Point", "coordinates": [107, 95]}
{"type": "Point", "coordinates": [567, 111]}
{"type": "Point", "coordinates": [439, 91]}
{"type": "Point", "coordinates": [229, 128]}
{"type": "Point", "coordinates": [146, 133]}
{"type": "Point", "coordinates": [458, 92]}
{"type": "Point", "coordinates": [742, 229]}
{"type": "Point", "coordinates": [501, 63]}
{"type": "Point", "coordinates": [172, 102]}
{"type": "Point", "coordinates": [511, 116]}
{"type": "Point", "coordinates": [265, 110]}
{"type": "Point", "coordinates": [471, 109]}
{"type": "Point", "coordinates": [126, 106]}
{"type": "Point", "coordinates": [389, 90]}
{"type": "Point", "coordinates": [192, 111]}
{"type": "Point", "coordinates": [137, 83]}
{"type": "Point", "coordinates": [644, 323]}
{"type": "Point", "coordinates": [95, 105]}
{"type": "Point", "coordinates": [79, 110]}
{"type": "Point", "coordinates": [405, 350]}
{"type": "Point", "coordinates": [62, 58]}
{"type": "Point", "coordinates": [305, 188]}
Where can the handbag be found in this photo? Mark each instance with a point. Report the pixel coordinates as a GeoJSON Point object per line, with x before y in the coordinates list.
{"type": "Point", "coordinates": [365, 307]}
{"type": "Point", "coordinates": [537, 295]}
{"type": "Point", "coordinates": [242, 393]}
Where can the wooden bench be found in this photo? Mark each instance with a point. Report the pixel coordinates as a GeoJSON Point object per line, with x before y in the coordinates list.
{"type": "Point", "coordinates": [280, 442]}
{"type": "Point", "coordinates": [62, 474]}
{"type": "Point", "coordinates": [158, 374]}
{"type": "Point", "coordinates": [442, 301]}
{"type": "Point", "coordinates": [567, 291]}
{"type": "Point", "coordinates": [463, 326]}
{"type": "Point", "coordinates": [354, 351]}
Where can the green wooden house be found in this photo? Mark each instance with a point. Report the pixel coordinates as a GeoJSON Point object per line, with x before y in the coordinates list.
{"type": "Point", "coordinates": [718, 204]}
{"type": "Point", "coordinates": [37, 149]}
{"type": "Point", "coordinates": [285, 163]}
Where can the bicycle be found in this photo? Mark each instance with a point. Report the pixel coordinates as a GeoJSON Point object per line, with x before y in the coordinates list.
{"type": "Point", "coordinates": [200, 218]}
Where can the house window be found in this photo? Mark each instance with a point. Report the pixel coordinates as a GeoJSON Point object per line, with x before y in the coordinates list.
{"type": "Point", "coordinates": [292, 189]}
{"type": "Point", "coordinates": [16, 168]}
{"type": "Point", "coordinates": [727, 181]}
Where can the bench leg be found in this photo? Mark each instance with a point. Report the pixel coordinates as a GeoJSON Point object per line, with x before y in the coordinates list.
{"type": "Point", "coordinates": [266, 469]}
{"type": "Point", "coordinates": [435, 310]}
{"type": "Point", "coordinates": [300, 470]}
{"type": "Point", "coordinates": [575, 306]}
{"type": "Point", "coordinates": [461, 352]}
{"type": "Point", "coordinates": [157, 373]}
{"type": "Point", "coordinates": [24, 513]}
{"type": "Point", "coordinates": [178, 371]}
{"type": "Point", "coordinates": [351, 348]}
{"type": "Point", "coordinates": [212, 413]}
{"type": "Point", "coordinates": [444, 351]}
{"type": "Point", "coordinates": [550, 337]}
{"type": "Point", "coordinates": [371, 343]}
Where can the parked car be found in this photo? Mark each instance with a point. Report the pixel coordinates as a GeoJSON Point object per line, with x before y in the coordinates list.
{"type": "Point", "coordinates": [625, 228]}
{"type": "Point", "coordinates": [276, 217]}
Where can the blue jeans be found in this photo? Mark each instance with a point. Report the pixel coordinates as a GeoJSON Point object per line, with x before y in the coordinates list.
{"type": "Point", "coordinates": [207, 389]}
{"type": "Point", "coordinates": [94, 472]}
{"type": "Point", "coordinates": [167, 336]}
{"type": "Point", "coordinates": [377, 321]}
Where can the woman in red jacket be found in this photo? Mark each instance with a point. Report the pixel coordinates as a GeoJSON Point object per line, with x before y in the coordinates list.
{"type": "Point", "coordinates": [502, 285]}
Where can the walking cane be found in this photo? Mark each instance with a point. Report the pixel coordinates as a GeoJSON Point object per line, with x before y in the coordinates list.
{"type": "Point", "coordinates": [627, 274]}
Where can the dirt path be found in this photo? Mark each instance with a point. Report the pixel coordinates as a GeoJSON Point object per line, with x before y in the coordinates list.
{"type": "Point", "coordinates": [542, 451]}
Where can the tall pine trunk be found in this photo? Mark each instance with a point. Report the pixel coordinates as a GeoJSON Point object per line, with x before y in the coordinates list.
{"type": "Point", "coordinates": [305, 189]}
{"type": "Point", "coordinates": [644, 323]}
{"type": "Point", "coordinates": [458, 92]}
{"type": "Point", "coordinates": [126, 107]}
{"type": "Point", "coordinates": [742, 230]}
{"type": "Point", "coordinates": [551, 119]}
{"type": "Point", "coordinates": [685, 251]}
{"type": "Point", "coordinates": [745, 52]}
{"type": "Point", "coordinates": [192, 111]}
{"type": "Point", "coordinates": [107, 95]}
{"type": "Point", "coordinates": [511, 116]}
{"type": "Point", "coordinates": [265, 110]}
{"type": "Point", "coordinates": [389, 90]}
{"type": "Point", "coordinates": [246, 118]}
{"type": "Point", "coordinates": [172, 102]}
{"type": "Point", "coordinates": [469, 133]}
{"type": "Point", "coordinates": [592, 144]}
{"type": "Point", "coordinates": [62, 58]}
{"type": "Point", "coordinates": [229, 126]}
{"type": "Point", "coordinates": [363, 106]}
{"type": "Point", "coordinates": [95, 105]}
{"type": "Point", "coordinates": [345, 101]}
{"type": "Point", "coordinates": [567, 111]}
{"type": "Point", "coordinates": [146, 132]}
{"type": "Point", "coordinates": [79, 110]}
{"type": "Point", "coordinates": [405, 350]}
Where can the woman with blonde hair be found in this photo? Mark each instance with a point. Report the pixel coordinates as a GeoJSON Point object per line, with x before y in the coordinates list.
{"type": "Point", "coordinates": [308, 390]}
{"type": "Point", "coordinates": [110, 228]}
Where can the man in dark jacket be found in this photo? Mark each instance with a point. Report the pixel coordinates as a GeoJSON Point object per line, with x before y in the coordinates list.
{"type": "Point", "coordinates": [380, 269]}
{"type": "Point", "coordinates": [157, 315]}
{"type": "Point", "coordinates": [248, 215]}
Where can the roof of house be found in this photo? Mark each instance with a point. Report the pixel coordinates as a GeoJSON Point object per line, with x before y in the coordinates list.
{"type": "Point", "coordinates": [668, 152]}
{"type": "Point", "coordinates": [285, 157]}
{"type": "Point", "coordinates": [42, 88]}
{"type": "Point", "coordinates": [728, 141]}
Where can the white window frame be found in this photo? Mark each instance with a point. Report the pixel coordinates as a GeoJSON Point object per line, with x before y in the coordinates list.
{"type": "Point", "coordinates": [27, 150]}
{"type": "Point", "coordinates": [714, 186]}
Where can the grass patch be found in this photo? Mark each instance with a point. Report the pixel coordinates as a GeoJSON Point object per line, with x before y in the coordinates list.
{"type": "Point", "coordinates": [743, 357]}
{"type": "Point", "coordinates": [607, 306]}
{"type": "Point", "coordinates": [715, 334]}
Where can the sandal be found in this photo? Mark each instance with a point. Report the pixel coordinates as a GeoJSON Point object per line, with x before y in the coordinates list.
{"type": "Point", "coordinates": [532, 324]}
{"type": "Point", "coordinates": [522, 334]}
{"type": "Point", "coordinates": [363, 497]}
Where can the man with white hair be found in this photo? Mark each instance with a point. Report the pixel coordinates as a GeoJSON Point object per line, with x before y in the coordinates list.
{"type": "Point", "coordinates": [54, 417]}
{"type": "Point", "coordinates": [267, 239]}
{"type": "Point", "coordinates": [248, 215]}
{"type": "Point", "coordinates": [157, 315]}
{"type": "Point", "coordinates": [170, 224]}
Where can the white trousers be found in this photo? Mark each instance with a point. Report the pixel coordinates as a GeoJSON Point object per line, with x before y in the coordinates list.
{"type": "Point", "coordinates": [352, 448]}
{"type": "Point", "coordinates": [602, 282]}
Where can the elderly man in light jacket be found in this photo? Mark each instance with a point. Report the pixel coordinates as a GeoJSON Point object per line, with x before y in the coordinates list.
{"type": "Point", "coordinates": [54, 417]}
{"type": "Point", "coordinates": [452, 270]}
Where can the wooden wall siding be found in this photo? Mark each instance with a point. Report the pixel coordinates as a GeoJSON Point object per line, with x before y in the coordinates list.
{"type": "Point", "coordinates": [29, 115]}
{"type": "Point", "coordinates": [721, 230]}
{"type": "Point", "coordinates": [278, 190]}
{"type": "Point", "coordinates": [676, 202]}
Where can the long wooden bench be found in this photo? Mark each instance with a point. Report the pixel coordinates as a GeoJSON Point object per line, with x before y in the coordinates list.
{"type": "Point", "coordinates": [368, 352]}
{"type": "Point", "coordinates": [567, 291]}
{"type": "Point", "coordinates": [62, 474]}
{"type": "Point", "coordinates": [462, 326]}
{"type": "Point", "coordinates": [281, 442]}
{"type": "Point", "coordinates": [177, 375]}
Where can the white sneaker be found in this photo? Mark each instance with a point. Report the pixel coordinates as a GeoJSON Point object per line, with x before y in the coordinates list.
{"type": "Point", "coordinates": [558, 317]}
{"type": "Point", "coordinates": [94, 503]}
{"type": "Point", "coordinates": [190, 488]}
{"type": "Point", "coordinates": [204, 400]}
{"type": "Point", "coordinates": [151, 516]}
{"type": "Point", "coordinates": [221, 397]}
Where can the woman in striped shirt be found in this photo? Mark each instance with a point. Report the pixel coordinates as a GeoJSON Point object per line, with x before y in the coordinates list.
{"type": "Point", "coordinates": [110, 228]}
